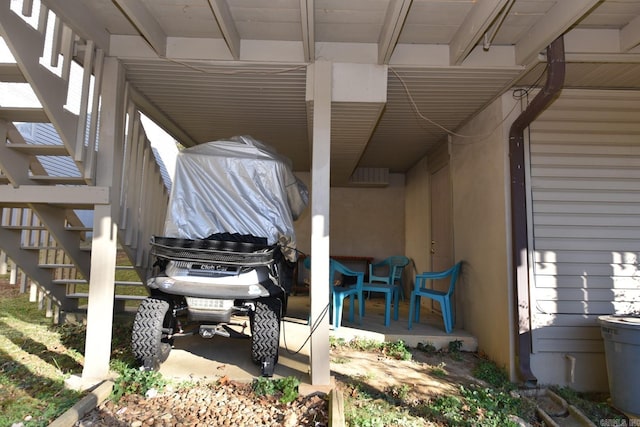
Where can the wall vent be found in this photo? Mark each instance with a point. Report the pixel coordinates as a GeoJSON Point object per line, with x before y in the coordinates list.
{"type": "Point", "coordinates": [370, 177]}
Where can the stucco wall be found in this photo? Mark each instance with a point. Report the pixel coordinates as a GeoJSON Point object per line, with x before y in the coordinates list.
{"type": "Point", "coordinates": [480, 187]}
{"type": "Point", "coordinates": [364, 221]}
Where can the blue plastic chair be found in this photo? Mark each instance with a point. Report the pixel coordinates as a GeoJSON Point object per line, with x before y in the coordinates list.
{"type": "Point", "coordinates": [444, 298]}
{"type": "Point", "coordinates": [393, 266]}
{"type": "Point", "coordinates": [339, 293]}
{"type": "Point", "coordinates": [390, 293]}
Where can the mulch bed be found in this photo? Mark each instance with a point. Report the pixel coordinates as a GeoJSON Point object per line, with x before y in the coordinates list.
{"type": "Point", "coordinates": [211, 404]}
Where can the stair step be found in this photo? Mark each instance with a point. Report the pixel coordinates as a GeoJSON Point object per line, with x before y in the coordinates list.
{"type": "Point", "coordinates": [118, 297]}
{"type": "Point", "coordinates": [78, 228]}
{"type": "Point", "coordinates": [84, 282]}
{"type": "Point", "coordinates": [10, 73]}
{"type": "Point", "coordinates": [51, 248]}
{"type": "Point", "coordinates": [24, 114]}
{"type": "Point", "coordinates": [65, 265]}
{"type": "Point", "coordinates": [129, 283]}
{"type": "Point", "coordinates": [55, 265]}
{"type": "Point", "coordinates": [42, 227]}
{"type": "Point", "coordinates": [40, 149]}
{"type": "Point", "coordinates": [47, 179]}
{"type": "Point", "coordinates": [4, 179]}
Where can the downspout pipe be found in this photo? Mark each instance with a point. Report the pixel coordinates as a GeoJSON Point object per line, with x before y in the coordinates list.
{"type": "Point", "coordinates": [520, 246]}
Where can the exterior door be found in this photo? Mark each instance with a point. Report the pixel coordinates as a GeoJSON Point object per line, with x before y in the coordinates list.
{"type": "Point", "coordinates": [441, 227]}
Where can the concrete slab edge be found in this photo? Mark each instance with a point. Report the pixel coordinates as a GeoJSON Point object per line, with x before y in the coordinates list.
{"type": "Point", "coordinates": [84, 405]}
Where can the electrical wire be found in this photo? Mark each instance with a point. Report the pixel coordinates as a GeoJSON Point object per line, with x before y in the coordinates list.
{"type": "Point", "coordinates": [314, 326]}
{"type": "Point", "coordinates": [479, 137]}
{"type": "Point", "coordinates": [235, 72]}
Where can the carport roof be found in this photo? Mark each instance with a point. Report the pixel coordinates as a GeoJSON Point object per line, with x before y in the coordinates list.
{"type": "Point", "coordinates": [218, 68]}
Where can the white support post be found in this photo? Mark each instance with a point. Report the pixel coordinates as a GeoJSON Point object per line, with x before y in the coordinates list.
{"type": "Point", "coordinates": [320, 182]}
{"type": "Point", "coordinates": [13, 274]}
{"type": "Point", "coordinates": [101, 296]}
{"type": "Point", "coordinates": [33, 292]}
{"type": "Point", "coordinates": [3, 263]}
{"type": "Point", "coordinates": [105, 229]}
{"type": "Point", "coordinates": [23, 283]}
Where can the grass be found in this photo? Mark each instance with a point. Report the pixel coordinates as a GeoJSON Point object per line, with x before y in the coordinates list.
{"type": "Point", "coordinates": [33, 366]}
{"type": "Point", "coordinates": [36, 358]}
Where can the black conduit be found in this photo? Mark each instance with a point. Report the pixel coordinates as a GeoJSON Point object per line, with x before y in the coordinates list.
{"type": "Point", "coordinates": [520, 264]}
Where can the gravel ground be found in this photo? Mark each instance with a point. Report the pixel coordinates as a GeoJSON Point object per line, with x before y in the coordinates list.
{"type": "Point", "coordinates": [229, 404]}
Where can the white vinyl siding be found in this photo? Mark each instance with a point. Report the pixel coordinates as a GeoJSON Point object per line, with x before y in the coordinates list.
{"type": "Point", "coordinates": [45, 134]}
{"type": "Point", "coordinates": [585, 193]}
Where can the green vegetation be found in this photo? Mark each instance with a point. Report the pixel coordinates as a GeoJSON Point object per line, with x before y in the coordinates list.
{"type": "Point", "coordinates": [593, 405]}
{"type": "Point", "coordinates": [286, 388]}
{"type": "Point", "coordinates": [454, 349]}
{"type": "Point", "coordinates": [395, 350]}
{"type": "Point", "coordinates": [36, 358]}
{"type": "Point", "coordinates": [427, 347]}
{"type": "Point", "coordinates": [439, 371]}
{"type": "Point", "coordinates": [479, 406]}
{"type": "Point", "coordinates": [489, 372]}
{"type": "Point", "coordinates": [133, 380]}
{"type": "Point", "coordinates": [33, 366]}
{"type": "Point", "coordinates": [370, 408]}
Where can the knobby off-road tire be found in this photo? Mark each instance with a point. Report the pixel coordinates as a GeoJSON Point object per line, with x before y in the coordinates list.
{"type": "Point", "coordinates": [153, 324]}
{"type": "Point", "coordinates": [265, 330]}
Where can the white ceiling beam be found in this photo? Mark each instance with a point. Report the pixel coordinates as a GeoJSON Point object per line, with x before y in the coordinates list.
{"type": "Point", "coordinates": [307, 20]}
{"type": "Point", "coordinates": [630, 35]}
{"type": "Point", "coordinates": [475, 24]}
{"type": "Point", "coordinates": [145, 23]}
{"type": "Point", "coordinates": [393, 21]}
{"type": "Point", "coordinates": [558, 19]}
{"type": "Point", "coordinates": [84, 23]}
{"type": "Point", "coordinates": [222, 13]}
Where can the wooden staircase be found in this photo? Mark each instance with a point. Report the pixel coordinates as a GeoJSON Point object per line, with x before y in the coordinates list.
{"type": "Point", "coordinates": [41, 231]}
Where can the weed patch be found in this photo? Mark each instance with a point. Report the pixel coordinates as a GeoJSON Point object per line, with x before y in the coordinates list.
{"type": "Point", "coordinates": [489, 372]}
{"type": "Point", "coordinates": [395, 350]}
{"type": "Point", "coordinates": [286, 388]}
{"type": "Point", "coordinates": [593, 405]}
{"type": "Point", "coordinates": [479, 406]}
{"type": "Point", "coordinates": [133, 380]}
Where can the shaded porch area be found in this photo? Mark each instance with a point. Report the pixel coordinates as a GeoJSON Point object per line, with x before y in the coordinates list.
{"type": "Point", "coordinates": [198, 358]}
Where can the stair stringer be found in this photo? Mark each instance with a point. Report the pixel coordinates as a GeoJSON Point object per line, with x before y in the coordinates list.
{"type": "Point", "coordinates": [27, 45]}
{"type": "Point", "coordinates": [27, 261]}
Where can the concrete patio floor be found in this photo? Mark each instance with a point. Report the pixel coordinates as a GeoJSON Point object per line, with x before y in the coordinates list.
{"type": "Point", "coordinates": [196, 358]}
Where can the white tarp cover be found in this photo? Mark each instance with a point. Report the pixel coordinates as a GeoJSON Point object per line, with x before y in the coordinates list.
{"type": "Point", "coordinates": [238, 185]}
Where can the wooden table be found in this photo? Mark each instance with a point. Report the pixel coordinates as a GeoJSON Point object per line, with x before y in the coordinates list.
{"type": "Point", "coordinates": [300, 286]}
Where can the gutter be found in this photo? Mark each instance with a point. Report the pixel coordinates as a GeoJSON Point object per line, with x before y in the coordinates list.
{"type": "Point", "coordinates": [520, 247]}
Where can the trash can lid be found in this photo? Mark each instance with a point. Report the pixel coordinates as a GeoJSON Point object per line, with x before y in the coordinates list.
{"type": "Point", "coordinates": [628, 320]}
